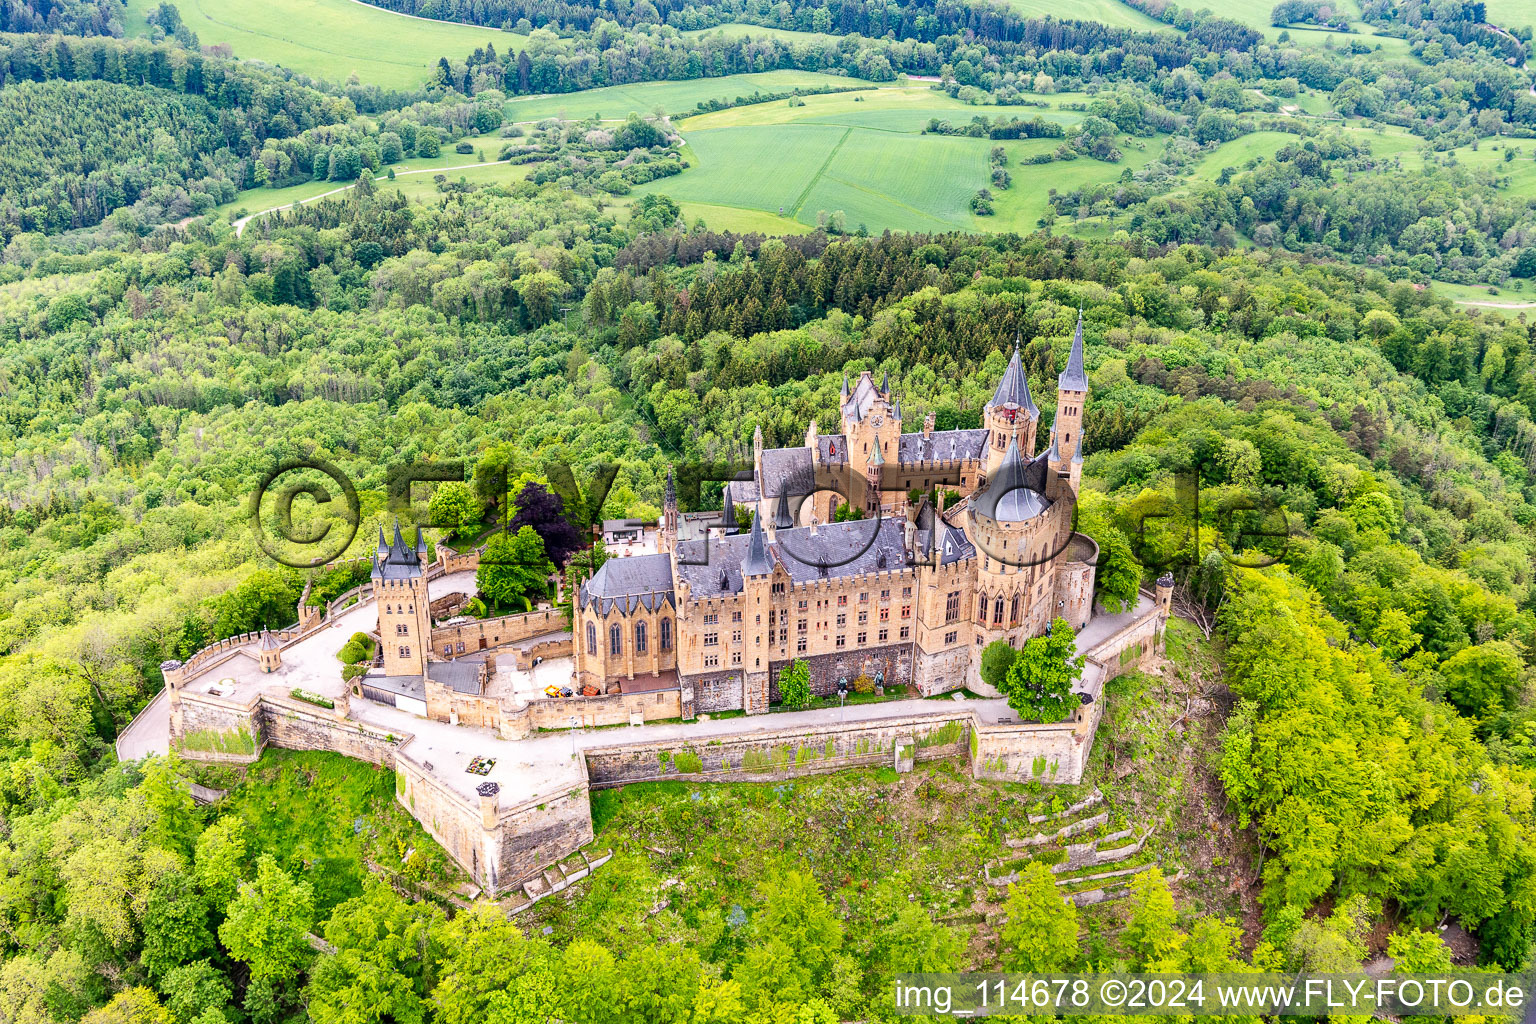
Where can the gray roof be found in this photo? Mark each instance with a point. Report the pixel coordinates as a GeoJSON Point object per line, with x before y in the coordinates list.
{"type": "Point", "coordinates": [833, 550]}
{"type": "Point", "coordinates": [400, 561]}
{"type": "Point", "coordinates": [405, 686]}
{"type": "Point", "coordinates": [938, 540]}
{"type": "Point", "coordinates": [609, 525]}
{"type": "Point", "coordinates": [791, 465]}
{"type": "Point", "coordinates": [268, 641]}
{"type": "Point", "coordinates": [863, 398]}
{"type": "Point", "coordinates": [757, 562]}
{"type": "Point", "coordinates": [942, 446]}
{"type": "Point", "coordinates": [743, 492]}
{"type": "Point", "coordinates": [460, 676]}
{"type": "Point", "coordinates": [630, 583]}
{"type": "Point", "coordinates": [1074, 377]}
{"type": "Point", "coordinates": [832, 448]}
{"type": "Point", "coordinates": [1016, 492]}
{"type": "Point", "coordinates": [1013, 389]}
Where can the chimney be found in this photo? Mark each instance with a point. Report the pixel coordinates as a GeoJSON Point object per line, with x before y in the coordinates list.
{"type": "Point", "coordinates": [488, 791]}
{"type": "Point", "coordinates": [928, 422]}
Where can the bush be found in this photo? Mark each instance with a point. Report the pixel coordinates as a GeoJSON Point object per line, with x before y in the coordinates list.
{"type": "Point", "coordinates": [464, 147]}
{"type": "Point", "coordinates": [863, 684]}
{"type": "Point", "coordinates": [795, 685]}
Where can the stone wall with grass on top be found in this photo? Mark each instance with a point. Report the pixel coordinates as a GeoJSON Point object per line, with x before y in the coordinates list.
{"type": "Point", "coordinates": [781, 753]}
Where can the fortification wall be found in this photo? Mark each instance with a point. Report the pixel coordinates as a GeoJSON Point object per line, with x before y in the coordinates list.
{"type": "Point", "coordinates": [941, 671]}
{"type": "Point", "coordinates": [609, 709]}
{"type": "Point", "coordinates": [298, 725]}
{"type": "Point", "coordinates": [780, 753]}
{"type": "Point", "coordinates": [208, 728]}
{"type": "Point", "coordinates": [483, 634]}
{"type": "Point", "coordinates": [1134, 648]}
{"type": "Point", "coordinates": [1035, 752]}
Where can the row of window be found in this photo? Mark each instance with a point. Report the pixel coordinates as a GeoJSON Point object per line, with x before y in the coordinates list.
{"type": "Point", "coordinates": [616, 638]}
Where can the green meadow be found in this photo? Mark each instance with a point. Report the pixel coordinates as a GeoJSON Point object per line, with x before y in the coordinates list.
{"type": "Point", "coordinates": [1511, 13]}
{"type": "Point", "coordinates": [1108, 12]}
{"type": "Point", "coordinates": [736, 30]}
{"type": "Point", "coordinates": [616, 102]}
{"type": "Point", "coordinates": [330, 39]}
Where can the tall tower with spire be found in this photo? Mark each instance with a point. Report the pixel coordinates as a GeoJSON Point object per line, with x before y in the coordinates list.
{"type": "Point", "coordinates": [871, 425]}
{"type": "Point", "coordinates": [666, 542]}
{"type": "Point", "coordinates": [1012, 416]}
{"type": "Point", "coordinates": [1071, 394]}
{"type": "Point", "coordinates": [400, 593]}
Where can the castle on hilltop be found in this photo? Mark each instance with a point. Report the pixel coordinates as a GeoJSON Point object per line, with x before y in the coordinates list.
{"type": "Point", "coordinates": [912, 592]}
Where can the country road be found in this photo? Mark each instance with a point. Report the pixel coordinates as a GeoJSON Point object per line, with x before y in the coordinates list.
{"type": "Point", "coordinates": [243, 221]}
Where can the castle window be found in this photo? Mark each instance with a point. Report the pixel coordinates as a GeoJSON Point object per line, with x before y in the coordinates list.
{"type": "Point", "coordinates": [906, 611]}
{"type": "Point", "coordinates": [401, 629]}
{"type": "Point", "coordinates": [981, 609]}
{"type": "Point", "coordinates": [666, 634]}
{"type": "Point", "coordinates": [885, 635]}
{"type": "Point", "coordinates": [711, 639]}
{"type": "Point", "coordinates": [735, 657]}
{"type": "Point", "coordinates": [950, 637]}
{"type": "Point", "coordinates": [800, 646]}
{"type": "Point", "coordinates": [735, 616]}
{"type": "Point", "coordinates": [863, 639]}
{"type": "Point", "coordinates": [615, 639]}
{"type": "Point", "coordinates": [997, 611]}
{"type": "Point", "coordinates": [591, 638]}
{"type": "Point", "coordinates": [1017, 604]}
{"type": "Point", "coordinates": [710, 620]}
{"type": "Point", "coordinates": [842, 641]}
{"type": "Point", "coordinates": [906, 632]}
{"type": "Point", "coordinates": [952, 606]}
{"type": "Point", "coordinates": [712, 661]}
{"type": "Point", "coordinates": [639, 638]}
{"type": "Point", "coordinates": [405, 652]}
{"type": "Point", "coordinates": [842, 620]}
{"type": "Point", "coordinates": [800, 625]}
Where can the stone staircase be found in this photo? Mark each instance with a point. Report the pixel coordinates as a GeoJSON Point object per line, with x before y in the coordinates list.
{"type": "Point", "coordinates": [559, 877]}
{"type": "Point", "coordinates": [1076, 843]}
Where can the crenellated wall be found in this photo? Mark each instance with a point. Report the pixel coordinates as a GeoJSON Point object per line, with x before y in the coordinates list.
{"type": "Point", "coordinates": [484, 634]}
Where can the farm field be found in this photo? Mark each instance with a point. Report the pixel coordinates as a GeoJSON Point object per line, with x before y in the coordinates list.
{"type": "Point", "coordinates": [616, 102]}
{"type": "Point", "coordinates": [736, 30]}
{"type": "Point", "coordinates": [330, 39]}
{"type": "Point", "coordinates": [1510, 13]}
{"type": "Point", "coordinates": [1108, 12]}
{"type": "Point", "coordinates": [1239, 151]}
{"type": "Point", "coordinates": [889, 108]}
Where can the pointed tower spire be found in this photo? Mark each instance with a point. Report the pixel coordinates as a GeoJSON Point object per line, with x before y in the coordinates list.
{"type": "Point", "coordinates": [1053, 453]}
{"type": "Point", "coordinates": [671, 489]}
{"type": "Point", "coordinates": [1013, 389]}
{"type": "Point", "coordinates": [845, 385]}
{"type": "Point", "coordinates": [781, 517]}
{"type": "Point", "coordinates": [876, 457]}
{"type": "Point", "coordinates": [728, 516]}
{"type": "Point", "coordinates": [885, 383]}
{"type": "Point", "coordinates": [1074, 378]}
{"type": "Point", "coordinates": [1078, 456]}
{"type": "Point", "coordinates": [757, 562]}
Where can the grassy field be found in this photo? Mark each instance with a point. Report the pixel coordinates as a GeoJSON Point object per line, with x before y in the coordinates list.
{"type": "Point", "coordinates": [618, 101]}
{"type": "Point", "coordinates": [1511, 13]}
{"type": "Point", "coordinates": [1108, 12]}
{"type": "Point", "coordinates": [836, 153]}
{"type": "Point", "coordinates": [736, 30]}
{"type": "Point", "coordinates": [1239, 151]}
{"type": "Point", "coordinates": [330, 39]}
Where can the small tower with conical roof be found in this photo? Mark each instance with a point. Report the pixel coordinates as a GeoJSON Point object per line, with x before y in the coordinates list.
{"type": "Point", "coordinates": [1071, 394]}
{"type": "Point", "coordinates": [1011, 416]}
{"type": "Point", "coordinates": [269, 652]}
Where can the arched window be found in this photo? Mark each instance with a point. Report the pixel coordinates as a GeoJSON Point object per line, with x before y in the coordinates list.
{"type": "Point", "coordinates": [615, 639]}
{"type": "Point", "coordinates": [981, 610]}
{"type": "Point", "coordinates": [591, 638]}
{"type": "Point", "coordinates": [1014, 619]}
{"type": "Point", "coordinates": [666, 634]}
{"type": "Point", "coordinates": [639, 638]}
{"type": "Point", "coordinates": [997, 611]}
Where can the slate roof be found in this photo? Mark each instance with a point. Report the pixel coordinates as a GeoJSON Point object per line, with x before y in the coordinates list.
{"type": "Point", "coordinates": [935, 537]}
{"type": "Point", "coordinates": [863, 398]}
{"type": "Point", "coordinates": [399, 561]}
{"type": "Point", "coordinates": [630, 583]}
{"type": "Point", "coordinates": [791, 465]}
{"type": "Point", "coordinates": [942, 446]}
{"type": "Point", "coordinates": [460, 676]}
{"type": "Point", "coordinates": [407, 686]}
{"type": "Point", "coordinates": [833, 449]}
{"type": "Point", "coordinates": [1074, 377]}
{"type": "Point", "coordinates": [1016, 492]}
{"type": "Point", "coordinates": [847, 549]}
{"type": "Point", "coordinates": [1013, 389]}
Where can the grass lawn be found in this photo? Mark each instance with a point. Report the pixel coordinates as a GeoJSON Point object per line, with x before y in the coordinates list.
{"type": "Point", "coordinates": [330, 39]}
{"type": "Point", "coordinates": [1240, 150]}
{"type": "Point", "coordinates": [736, 30]}
{"type": "Point", "coordinates": [1480, 295]}
{"type": "Point", "coordinates": [617, 102]}
{"type": "Point", "coordinates": [1108, 12]}
{"type": "Point", "coordinates": [1511, 13]}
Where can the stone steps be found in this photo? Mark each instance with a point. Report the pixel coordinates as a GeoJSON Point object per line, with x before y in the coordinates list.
{"type": "Point", "coordinates": [559, 877]}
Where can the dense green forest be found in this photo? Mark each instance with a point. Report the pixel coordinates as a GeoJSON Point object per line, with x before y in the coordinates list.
{"type": "Point", "coordinates": [1264, 332]}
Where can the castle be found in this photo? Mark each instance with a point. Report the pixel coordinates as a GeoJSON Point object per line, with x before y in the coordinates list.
{"type": "Point", "coordinates": [911, 592]}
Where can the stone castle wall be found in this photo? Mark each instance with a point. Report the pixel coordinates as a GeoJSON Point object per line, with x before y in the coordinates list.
{"type": "Point", "coordinates": [941, 671]}
{"type": "Point", "coordinates": [780, 753]}
{"type": "Point", "coordinates": [483, 634]}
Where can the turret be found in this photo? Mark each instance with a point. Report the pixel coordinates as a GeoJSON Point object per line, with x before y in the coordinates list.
{"type": "Point", "coordinates": [1071, 393]}
{"type": "Point", "coordinates": [1011, 416]}
{"type": "Point", "coordinates": [269, 652]}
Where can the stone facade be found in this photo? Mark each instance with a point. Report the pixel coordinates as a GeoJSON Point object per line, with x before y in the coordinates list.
{"type": "Point", "coordinates": [487, 634]}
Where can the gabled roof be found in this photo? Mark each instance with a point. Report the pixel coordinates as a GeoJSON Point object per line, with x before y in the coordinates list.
{"type": "Point", "coordinates": [942, 446]}
{"type": "Point", "coordinates": [1074, 377]}
{"type": "Point", "coordinates": [1013, 389]}
{"type": "Point", "coordinates": [640, 581]}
